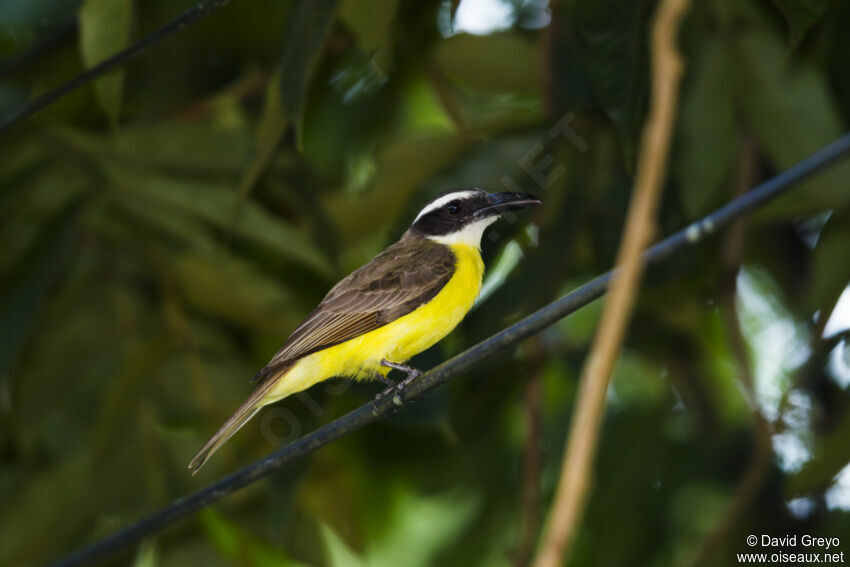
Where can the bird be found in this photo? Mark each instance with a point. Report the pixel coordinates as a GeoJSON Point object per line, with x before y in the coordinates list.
{"type": "Point", "coordinates": [395, 306]}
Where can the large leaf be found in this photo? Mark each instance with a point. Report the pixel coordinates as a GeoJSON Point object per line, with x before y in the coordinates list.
{"type": "Point", "coordinates": [428, 524]}
{"type": "Point", "coordinates": [617, 61]}
{"type": "Point", "coordinates": [372, 24]}
{"type": "Point", "coordinates": [308, 24]}
{"type": "Point", "coordinates": [707, 125]}
{"type": "Point", "coordinates": [801, 15]}
{"type": "Point", "coordinates": [792, 116]}
{"type": "Point", "coordinates": [182, 145]}
{"type": "Point", "coordinates": [502, 62]}
{"type": "Point", "coordinates": [105, 30]}
{"type": "Point", "coordinates": [212, 203]}
{"type": "Point", "coordinates": [173, 145]}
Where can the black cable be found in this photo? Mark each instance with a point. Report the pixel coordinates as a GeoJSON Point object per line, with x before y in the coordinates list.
{"type": "Point", "coordinates": [188, 17]}
{"type": "Point", "coordinates": [533, 323]}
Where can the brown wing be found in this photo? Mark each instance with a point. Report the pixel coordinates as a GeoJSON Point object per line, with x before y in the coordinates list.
{"type": "Point", "coordinates": [394, 283]}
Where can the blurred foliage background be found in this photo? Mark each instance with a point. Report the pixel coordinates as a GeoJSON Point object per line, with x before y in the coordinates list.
{"type": "Point", "coordinates": [165, 228]}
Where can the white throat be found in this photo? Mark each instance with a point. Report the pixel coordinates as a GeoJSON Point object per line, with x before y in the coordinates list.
{"type": "Point", "coordinates": [470, 234]}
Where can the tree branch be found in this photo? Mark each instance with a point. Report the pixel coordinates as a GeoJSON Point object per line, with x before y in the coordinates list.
{"type": "Point", "coordinates": [453, 367]}
{"type": "Point", "coordinates": [574, 482]}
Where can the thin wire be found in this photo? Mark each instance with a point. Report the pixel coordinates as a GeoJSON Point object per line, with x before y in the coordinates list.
{"type": "Point", "coordinates": [188, 17]}
{"type": "Point", "coordinates": [464, 361]}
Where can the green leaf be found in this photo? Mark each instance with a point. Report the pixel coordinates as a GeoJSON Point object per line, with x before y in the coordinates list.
{"type": "Point", "coordinates": [371, 21]}
{"type": "Point", "coordinates": [708, 140]}
{"type": "Point", "coordinates": [617, 60]}
{"type": "Point", "coordinates": [428, 524]}
{"type": "Point", "coordinates": [792, 116]}
{"type": "Point", "coordinates": [23, 515]}
{"type": "Point", "coordinates": [213, 204]}
{"type": "Point", "coordinates": [182, 145]}
{"type": "Point", "coordinates": [336, 550]}
{"type": "Point", "coordinates": [500, 62]}
{"type": "Point", "coordinates": [221, 284]}
{"type": "Point", "coordinates": [421, 110]}
{"type": "Point", "coordinates": [307, 25]}
{"type": "Point", "coordinates": [800, 15]}
{"type": "Point", "coordinates": [237, 545]}
{"type": "Point", "coordinates": [830, 277]}
{"type": "Point", "coordinates": [272, 127]}
{"type": "Point", "coordinates": [24, 294]}
{"type": "Point", "coordinates": [174, 145]}
{"type": "Point", "coordinates": [105, 30]}
{"type": "Point", "coordinates": [403, 166]}
{"type": "Point", "coordinates": [147, 555]}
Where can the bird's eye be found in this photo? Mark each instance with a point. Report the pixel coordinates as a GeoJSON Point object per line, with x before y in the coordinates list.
{"type": "Point", "coordinates": [453, 208]}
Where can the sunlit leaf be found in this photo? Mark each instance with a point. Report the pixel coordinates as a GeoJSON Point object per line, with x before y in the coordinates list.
{"type": "Point", "coordinates": [371, 21]}
{"type": "Point", "coordinates": [337, 551]}
{"type": "Point", "coordinates": [427, 524]}
{"type": "Point", "coordinates": [147, 555]}
{"type": "Point", "coordinates": [502, 62]}
{"type": "Point", "coordinates": [421, 108]}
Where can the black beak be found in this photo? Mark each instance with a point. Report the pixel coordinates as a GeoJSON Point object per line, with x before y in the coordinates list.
{"type": "Point", "coordinates": [498, 203]}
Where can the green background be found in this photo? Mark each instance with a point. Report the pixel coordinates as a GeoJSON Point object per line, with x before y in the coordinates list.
{"type": "Point", "coordinates": [163, 229]}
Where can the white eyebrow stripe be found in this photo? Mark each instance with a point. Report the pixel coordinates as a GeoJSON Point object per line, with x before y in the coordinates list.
{"type": "Point", "coordinates": [447, 198]}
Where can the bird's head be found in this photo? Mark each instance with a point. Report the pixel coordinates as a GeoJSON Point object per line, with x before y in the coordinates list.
{"type": "Point", "coordinates": [461, 215]}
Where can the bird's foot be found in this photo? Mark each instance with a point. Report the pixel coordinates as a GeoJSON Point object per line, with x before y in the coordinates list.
{"type": "Point", "coordinates": [395, 389]}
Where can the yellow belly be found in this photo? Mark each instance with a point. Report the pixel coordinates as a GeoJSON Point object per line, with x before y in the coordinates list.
{"type": "Point", "coordinates": [397, 341]}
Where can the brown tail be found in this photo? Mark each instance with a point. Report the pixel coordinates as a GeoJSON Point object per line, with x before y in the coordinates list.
{"type": "Point", "coordinates": [239, 418]}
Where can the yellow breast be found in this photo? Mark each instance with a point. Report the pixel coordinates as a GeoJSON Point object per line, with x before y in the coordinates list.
{"type": "Point", "coordinates": [397, 341]}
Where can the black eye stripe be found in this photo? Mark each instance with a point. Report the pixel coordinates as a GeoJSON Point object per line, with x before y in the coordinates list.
{"type": "Point", "coordinates": [450, 216]}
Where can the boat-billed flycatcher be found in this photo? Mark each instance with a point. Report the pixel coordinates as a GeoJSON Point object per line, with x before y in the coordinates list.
{"type": "Point", "coordinates": [400, 303]}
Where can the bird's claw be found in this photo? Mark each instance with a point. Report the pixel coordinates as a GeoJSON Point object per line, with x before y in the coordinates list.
{"type": "Point", "coordinates": [395, 389]}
